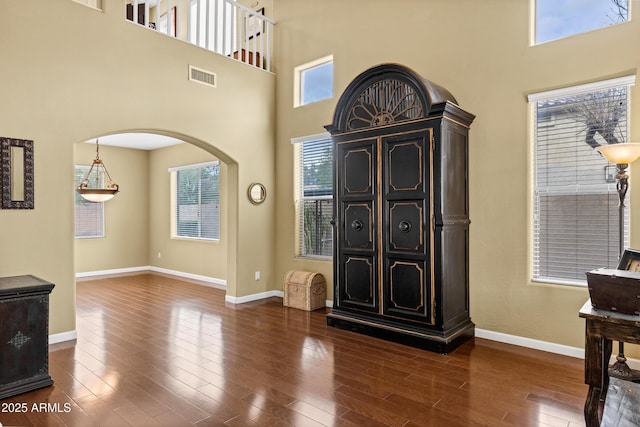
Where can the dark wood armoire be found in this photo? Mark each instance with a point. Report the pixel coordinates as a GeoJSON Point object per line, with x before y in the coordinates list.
{"type": "Point", "coordinates": [401, 211]}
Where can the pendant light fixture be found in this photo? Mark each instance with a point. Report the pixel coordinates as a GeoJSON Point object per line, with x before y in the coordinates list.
{"type": "Point", "coordinates": [98, 193]}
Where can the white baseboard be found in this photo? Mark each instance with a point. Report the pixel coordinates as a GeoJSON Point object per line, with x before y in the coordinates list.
{"type": "Point", "coordinates": [531, 343]}
{"type": "Point", "coordinates": [207, 281]}
{"type": "Point", "coordinates": [203, 280]}
{"type": "Point", "coordinates": [63, 336]}
{"type": "Point", "coordinates": [550, 347]}
{"type": "Point", "coordinates": [115, 271]}
{"type": "Point", "coordinates": [253, 297]}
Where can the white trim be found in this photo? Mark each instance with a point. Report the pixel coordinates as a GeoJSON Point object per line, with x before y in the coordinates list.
{"type": "Point", "coordinates": [194, 166]}
{"type": "Point", "coordinates": [112, 272]}
{"type": "Point", "coordinates": [206, 280]}
{"type": "Point", "coordinates": [63, 336]}
{"type": "Point", "coordinates": [589, 87]}
{"type": "Point", "coordinates": [253, 297]}
{"type": "Point", "coordinates": [531, 343]}
{"type": "Point", "coordinates": [550, 347]}
{"type": "Point", "coordinates": [311, 138]}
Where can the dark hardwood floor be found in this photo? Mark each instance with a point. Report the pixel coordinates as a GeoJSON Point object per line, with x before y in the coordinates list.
{"type": "Point", "coordinates": [157, 351]}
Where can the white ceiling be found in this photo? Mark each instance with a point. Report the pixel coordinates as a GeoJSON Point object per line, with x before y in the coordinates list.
{"type": "Point", "coordinates": [139, 141]}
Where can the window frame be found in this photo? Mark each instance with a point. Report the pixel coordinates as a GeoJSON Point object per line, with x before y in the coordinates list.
{"type": "Point", "coordinates": [298, 80]}
{"type": "Point", "coordinates": [299, 197]}
{"type": "Point", "coordinates": [174, 202]}
{"type": "Point", "coordinates": [571, 91]}
{"type": "Point", "coordinates": [537, 24]}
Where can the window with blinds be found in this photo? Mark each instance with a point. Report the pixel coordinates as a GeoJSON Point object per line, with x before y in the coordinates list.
{"type": "Point", "coordinates": [576, 227]}
{"type": "Point", "coordinates": [315, 197]}
{"type": "Point", "coordinates": [89, 216]}
{"type": "Point", "coordinates": [196, 212]}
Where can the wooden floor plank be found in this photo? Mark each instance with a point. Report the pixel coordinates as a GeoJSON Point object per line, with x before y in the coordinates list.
{"type": "Point", "coordinates": [154, 350]}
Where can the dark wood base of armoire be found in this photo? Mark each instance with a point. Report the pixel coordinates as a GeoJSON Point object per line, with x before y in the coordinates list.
{"type": "Point", "coordinates": [435, 341]}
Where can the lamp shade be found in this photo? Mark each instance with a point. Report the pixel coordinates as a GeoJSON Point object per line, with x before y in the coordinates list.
{"type": "Point", "coordinates": [97, 194]}
{"type": "Point", "coordinates": [620, 154]}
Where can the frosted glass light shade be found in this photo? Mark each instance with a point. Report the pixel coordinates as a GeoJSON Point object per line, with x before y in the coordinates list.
{"type": "Point", "coordinates": [97, 194]}
{"type": "Point", "coordinates": [620, 154]}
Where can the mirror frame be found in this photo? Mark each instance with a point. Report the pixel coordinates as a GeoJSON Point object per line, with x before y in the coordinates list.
{"type": "Point", "coordinates": [263, 192]}
{"type": "Point", "coordinates": [5, 159]}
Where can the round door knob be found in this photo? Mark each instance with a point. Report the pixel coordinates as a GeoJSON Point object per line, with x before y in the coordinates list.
{"type": "Point", "coordinates": [404, 226]}
{"type": "Point", "coordinates": [357, 225]}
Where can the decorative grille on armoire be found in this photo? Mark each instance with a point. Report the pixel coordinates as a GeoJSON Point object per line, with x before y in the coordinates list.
{"type": "Point", "coordinates": [385, 102]}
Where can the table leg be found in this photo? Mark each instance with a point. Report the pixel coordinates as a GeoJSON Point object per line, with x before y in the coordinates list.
{"type": "Point", "coordinates": [596, 364]}
{"type": "Point", "coordinates": [591, 407]}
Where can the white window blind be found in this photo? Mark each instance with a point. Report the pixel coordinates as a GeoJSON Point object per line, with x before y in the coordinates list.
{"type": "Point", "coordinates": [316, 197]}
{"type": "Point", "coordinates": [575, 199]}
{"type": "Point", "coordinates": [89, 216]}
{"type": "Point", "coordinates": [197, 201]}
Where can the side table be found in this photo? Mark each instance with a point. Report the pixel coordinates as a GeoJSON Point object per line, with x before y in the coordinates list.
{"type": "Point", "coordinates": [24, 334]}
{"type": "Point", "coordinates": [603, 327]}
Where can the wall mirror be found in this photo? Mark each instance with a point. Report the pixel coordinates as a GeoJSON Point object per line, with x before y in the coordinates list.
{"type": "Point", "coordinates": [257, 193]}
{"type": "Point", "coordinates": [16, 157]}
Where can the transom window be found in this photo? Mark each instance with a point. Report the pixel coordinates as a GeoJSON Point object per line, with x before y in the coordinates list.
{"type": "Point", "coordinates": [562, 18]}
{"type": "Point", "coordinates": [575, 199]}
{"type": "Point", "coordinates": [196, 201]}
{"type": "Point", "coordinates": [313, 81]}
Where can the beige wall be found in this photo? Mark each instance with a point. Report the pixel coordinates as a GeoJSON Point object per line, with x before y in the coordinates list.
{"type": "Point", "coordinates": [125, 216]}
{"type": "Point", "coordinates": [479, 50]}
{"type": "Point", "coordinates": [71, 73]}
{"type": "Point", "coordinates": [204, 258]}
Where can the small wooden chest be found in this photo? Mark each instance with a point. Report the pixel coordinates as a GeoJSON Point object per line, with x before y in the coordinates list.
{"type": "Point", "coordinates": [304, 290]}
{"type": "Point", "coordinates": [615, 290]}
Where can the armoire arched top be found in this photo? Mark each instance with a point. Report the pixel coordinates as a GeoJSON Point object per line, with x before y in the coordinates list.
{"type": "Point", "coordinates": [386, 94]}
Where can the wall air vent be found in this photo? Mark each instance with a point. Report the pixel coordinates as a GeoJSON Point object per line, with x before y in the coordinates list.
{"type": "Point", "coordinates": [202, 76]}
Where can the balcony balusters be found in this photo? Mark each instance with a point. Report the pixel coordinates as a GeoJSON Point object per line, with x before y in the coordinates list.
{"type": "Point", "coordinates": [221, 26]}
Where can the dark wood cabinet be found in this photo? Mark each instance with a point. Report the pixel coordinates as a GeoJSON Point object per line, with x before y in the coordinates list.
{"type": "Point", "coordinates": [24, 334]}
{"type": "Point", "coordinates": [401, 211]}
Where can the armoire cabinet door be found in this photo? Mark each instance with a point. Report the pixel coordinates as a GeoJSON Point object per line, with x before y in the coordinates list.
{"type": "Point", "coordinates": [406, 174]}
{"type": "Point", "coordinates": [356, 164]}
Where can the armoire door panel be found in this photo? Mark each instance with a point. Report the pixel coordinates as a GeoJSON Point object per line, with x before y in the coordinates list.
{"type": "Point", "coordinates": [357, 168]}
{"type": "Point", "coordinates": [405, 164]}
{"type": "Point", "coordinates": [406, 226]}
{"type": "Point", "coordinates": [358, 225]}
{"type": "Point", "coordinates": [409, 288]}
{"type": "Point", "coordinates": [358, 277]}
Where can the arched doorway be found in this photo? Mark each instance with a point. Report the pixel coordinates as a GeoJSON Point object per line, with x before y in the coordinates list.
{"type": "Point", "coordinates": [137, 233]}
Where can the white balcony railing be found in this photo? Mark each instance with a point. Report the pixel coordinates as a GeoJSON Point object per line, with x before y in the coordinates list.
{"type": "Point", "coordinates": [221, 26]}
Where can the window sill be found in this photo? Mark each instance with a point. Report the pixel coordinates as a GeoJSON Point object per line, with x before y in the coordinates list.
{"type": "Point", "coordinates": [315, 258]}
{"type": "Point", "coordinates": [558, 282]}
{"type": "Point", "coordinates": [195, 239]}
